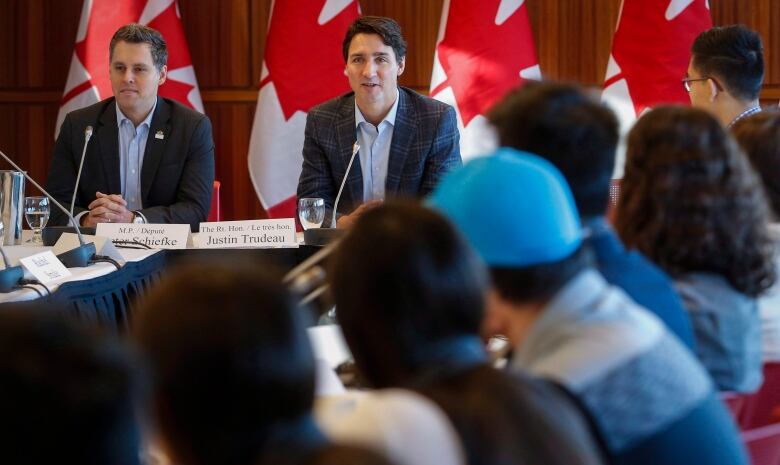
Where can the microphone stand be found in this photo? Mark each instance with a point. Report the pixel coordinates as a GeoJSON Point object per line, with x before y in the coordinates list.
{"type": "Point", "coordinates": [323, 236]}
{"type": "Point", "coordinates": [74, 258]}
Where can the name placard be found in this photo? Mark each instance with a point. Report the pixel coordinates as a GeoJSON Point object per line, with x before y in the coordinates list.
{"type": "Point", "coordinates": [156, 236]}
{"type": "Point", "coordinates": [252, 233]}
{"type": "Point", "coordinates": [45, 267]}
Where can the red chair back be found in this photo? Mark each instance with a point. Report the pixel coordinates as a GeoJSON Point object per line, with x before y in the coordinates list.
{"type": "Point", "coordinates": [763, 444]}
{"type": "Point", "coordinates": [734, 402]}
{"type": "Point", "coordinates": [761, 408]}
{"type": "Point", "coordinates": [215, 212]}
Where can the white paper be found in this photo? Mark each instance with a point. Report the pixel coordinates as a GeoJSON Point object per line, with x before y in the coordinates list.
{"type": "Point", "coordinates": [45, 267]}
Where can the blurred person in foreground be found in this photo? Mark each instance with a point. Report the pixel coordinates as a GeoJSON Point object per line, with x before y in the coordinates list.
{"type": "Point", "coordinates": [648, 398]}
{"type": "Point", "coordinates": [68, 393]}
{"type": "Point", "coordinates": [233, 374]}
{"type": "Point", "coordinates": [691, 202]}
{"type": "Point", "coordinates": [409, 296]}
{"type": "Point", "coordinates": [759, 137]}
{"type": "Point", "coordinates": [579, 135]}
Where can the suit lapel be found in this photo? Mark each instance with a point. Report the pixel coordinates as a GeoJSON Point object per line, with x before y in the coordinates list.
{"type": "Point", "coordinates": [155, 146]}
{"type": "Point", "coordinates": [345, 133]}
{"type": "Point", "coordinates": [108, 139]}
{"type": "Point", "coordinates": [403, 135]}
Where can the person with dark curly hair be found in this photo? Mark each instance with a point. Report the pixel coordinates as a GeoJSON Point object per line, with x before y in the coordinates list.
{"type": "Point", "coordinates": [690, 202]}
{"type": "Point", "coordinates": [759, 136]}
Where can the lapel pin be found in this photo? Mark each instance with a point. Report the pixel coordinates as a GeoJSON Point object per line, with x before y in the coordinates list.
{"type": "Point", "coordinates": [159, 135]}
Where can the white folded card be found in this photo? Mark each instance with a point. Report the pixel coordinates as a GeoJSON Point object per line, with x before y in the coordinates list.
{"type": "Point", "coordinates": [252, 233]}
{"type": "Point", "coordinates": [45, 267]}
{"type": "Point", "coordinates": [156, 236]}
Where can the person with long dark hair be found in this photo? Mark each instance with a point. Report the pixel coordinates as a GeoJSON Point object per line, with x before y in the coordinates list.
{"type": "Point", "coordinates": [691, 203]}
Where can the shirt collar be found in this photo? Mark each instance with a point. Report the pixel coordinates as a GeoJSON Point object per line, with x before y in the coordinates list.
{"type": "Point", "coordinates": [147, 121]}
{"type": "Point", "coordinates": [390, 117]}
{"type": "Point", "coordinates": [745, 114]}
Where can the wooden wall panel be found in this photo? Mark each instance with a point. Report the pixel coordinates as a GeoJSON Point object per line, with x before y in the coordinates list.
{"type": "Point", "coordinates": [227, 38]}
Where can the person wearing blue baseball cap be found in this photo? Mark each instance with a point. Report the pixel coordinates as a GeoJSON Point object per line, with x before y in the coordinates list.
{"type": "Point", "coordinates": [649, 399]}
{"type": "Point", "coordinates": [578, 134]}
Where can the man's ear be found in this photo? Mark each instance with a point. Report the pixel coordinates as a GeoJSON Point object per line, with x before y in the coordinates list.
{"type": "Point", "coordinates": [714, 89]}
{"type": "Point", "coordinates": [163, 75]}
{"type": "Point", "coordinates": [401, 66]}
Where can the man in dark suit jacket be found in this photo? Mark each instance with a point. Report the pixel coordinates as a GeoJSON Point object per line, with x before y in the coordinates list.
{"type": "Point", "coordinates": [407, 141]}
{"type": "Point", "coordinates": [150, 159]}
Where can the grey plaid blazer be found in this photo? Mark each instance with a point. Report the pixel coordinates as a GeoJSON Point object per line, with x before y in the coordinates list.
{"type": "Point", "coordinates": [425, 145]}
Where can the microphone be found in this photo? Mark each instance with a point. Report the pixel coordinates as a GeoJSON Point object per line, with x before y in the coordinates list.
{"type": "Point", "coordinates": [87, 136]}
{"type": "Point", "coordinates": [74, 258]}
{"type": "Point", "coordinates": [355, 150]}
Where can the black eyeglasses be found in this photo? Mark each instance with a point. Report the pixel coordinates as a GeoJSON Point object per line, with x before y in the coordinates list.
{"type": "Point", "coordinates": [686, 82]}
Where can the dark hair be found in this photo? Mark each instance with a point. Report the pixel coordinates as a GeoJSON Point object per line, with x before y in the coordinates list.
{"type": "Point", "coordinates": [759, 136]}
{"type": "Point", "coordinates": [571, 129]}
{"type": "Point", "coordinates": [140, 34]}
{"type": "Point", "coordinates": [734, 56]}
{"type": "Point", "coordinates": [539, 282]}
{"type": "Point", "coordinates": [67, 393]}
{"type": "Point", "coordinates": [336, 454]}
{"type": "Point", "coordinates": [386, 28]}
{"type": "Point", "coordinates": [504, 417]}
{"type": "Point", "coordinates": [230, 358]}
{"type": "Point", "coordinates": [404, 279]}
{"type": "Point", "coordinates": [690, 201]}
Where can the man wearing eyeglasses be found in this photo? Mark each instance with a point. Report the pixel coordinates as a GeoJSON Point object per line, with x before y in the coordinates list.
{"type": "Point", "coordinates": [726, 72]}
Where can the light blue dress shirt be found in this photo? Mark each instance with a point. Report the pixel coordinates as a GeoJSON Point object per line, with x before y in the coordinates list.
{"type": "Point", "coordinates": [132, 145]}
{"type": "Point", "coordinates": [375, 151]}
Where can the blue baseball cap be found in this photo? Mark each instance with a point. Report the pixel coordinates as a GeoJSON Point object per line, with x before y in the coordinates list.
{"type": "Point", "coordinates": [514, 208]}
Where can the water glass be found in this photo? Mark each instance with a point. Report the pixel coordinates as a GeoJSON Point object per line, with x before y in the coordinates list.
{"type": "Point", "coordinates": [36, 210]}
{"type": "Point", "coordinates": [311, 212]}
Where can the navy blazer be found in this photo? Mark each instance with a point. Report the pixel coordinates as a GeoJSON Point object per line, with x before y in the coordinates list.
{"type": "Point", "coordinates": [425, 145]}
{"type": "Point", "coordinates": [177, 175]}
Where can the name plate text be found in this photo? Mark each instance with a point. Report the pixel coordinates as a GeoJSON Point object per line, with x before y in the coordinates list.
{"type": "Point", "coordinates": [155, 236]}
{"type": "Point", "coordinates": [252, 233]}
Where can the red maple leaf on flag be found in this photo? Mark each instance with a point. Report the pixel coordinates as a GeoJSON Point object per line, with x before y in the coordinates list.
{"type": "Point", "coordinates": [104, 19]}
{"type": "Point", "coordinates": [303, 57]}
{"type": "Point", "coordinates": [482, 59]}
{"type": "Point", "coordinates": [178, 53]}
{"type": "Point", "coordinates": [653, 52]}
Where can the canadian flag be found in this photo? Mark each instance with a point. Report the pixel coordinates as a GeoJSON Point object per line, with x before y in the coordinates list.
{"type": "Point", "coordinates": [484, 49]}
{"type": "Point", "coordinates": [294, 78]}
{"type": "Point", "coordinates": [650, 54]}
{"type": "Point", "coordinates": [88, 80]}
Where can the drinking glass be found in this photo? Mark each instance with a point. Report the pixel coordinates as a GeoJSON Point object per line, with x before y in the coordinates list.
{"type": "Point", "coordinates": [311, 212]}
{"type": "Point", "coordinates": [36, 210]}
